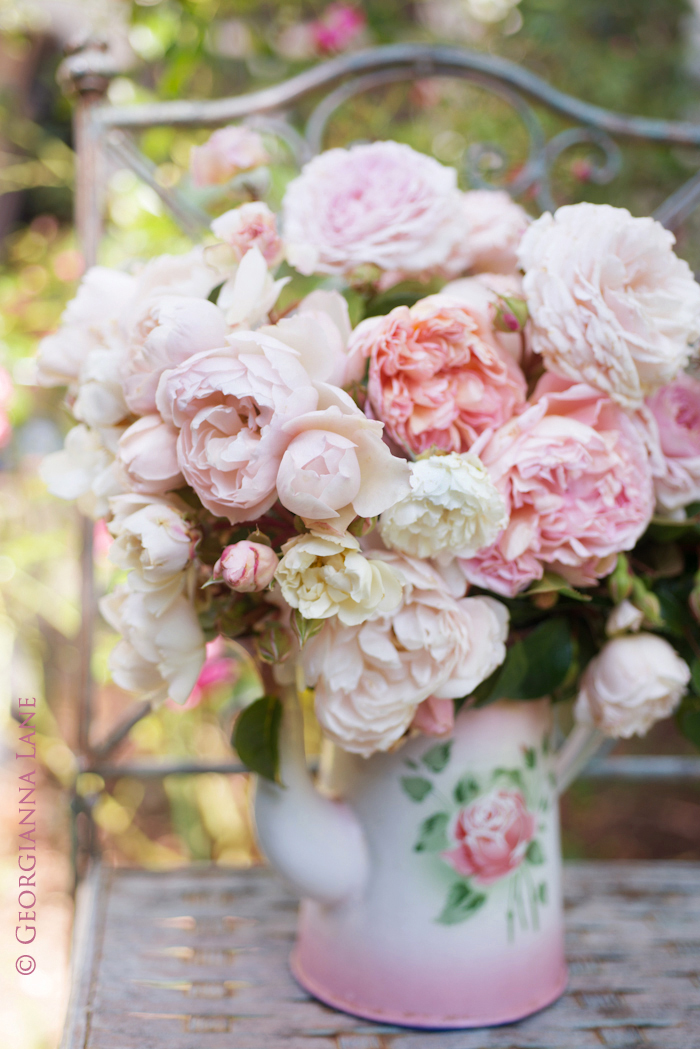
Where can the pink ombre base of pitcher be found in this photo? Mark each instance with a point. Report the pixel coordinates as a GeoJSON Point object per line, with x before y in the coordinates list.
{"type": "Point", "coordinates": [408, 1018]}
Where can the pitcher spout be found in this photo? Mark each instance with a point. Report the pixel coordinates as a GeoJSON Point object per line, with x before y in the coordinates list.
{"type": "Point", "coordinates": [316, 844]}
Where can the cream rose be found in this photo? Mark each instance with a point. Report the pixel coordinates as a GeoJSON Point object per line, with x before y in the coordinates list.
{"type": "Point", "coordinates": [84, 469]}
{"type": "Point", "coordinates": [328, 575]}
{"type": "Point", "coordinates": [453, 507]}
{"type": "Point", "coordinates": [160, 656]}
{"type": "Point", "coordinates": [370, 678]}
{"type": "Point", "coordinates": [610, 303]}
{"type": "Point", "coordinates": [633, 682]}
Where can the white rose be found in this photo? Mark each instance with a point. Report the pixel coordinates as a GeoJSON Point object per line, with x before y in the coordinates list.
{"type": "Point", "coordinates": [610, 303]}
{"type": "Point", "coordinates": [370, 678]}
{"type": "Point", "coordinates": [249, 295]}
{"type": "Point", "coordinates": [454, 506]}
{"type": "Point", "coordinates": [633, 682]}
{"type": "Point", "coordinates": [168, 331]}
{"type": "Point", "coordinates": [84, 470]}
{"type": "Point", "coordinates": [94, 319]}
{"type": "Point", "coordinates": [158, 655]}
{"type": "Point", "coordinates": [186, 274]}
{"type": "Point", "coordinates": [152, 541]}
{"type": "Point", "coordinates": [328, 575]}
{"type": "Point", "coordinates": [624, 618]}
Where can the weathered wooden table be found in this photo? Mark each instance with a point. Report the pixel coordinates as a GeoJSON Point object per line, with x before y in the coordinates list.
{"type": "Point", "coordinates": [197, 959]}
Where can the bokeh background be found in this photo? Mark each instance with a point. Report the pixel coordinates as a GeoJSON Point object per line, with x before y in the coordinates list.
{"type": "Point", "coordinates": [635, 56]}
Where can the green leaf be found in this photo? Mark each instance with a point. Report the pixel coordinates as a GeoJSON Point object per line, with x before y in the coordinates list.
{"type": "Point", "coordinates": [552, 583]}
{"type": "Point", "coordinates": [538, 664]}
{"type": "Point", "coordinates": [466, 789]}
{"type": "Point", "coordinates": [304, 628]}
{"type": "Point", "coordinates": [416, 787]}
{"type": "Point", "coordinates": [514, 776]}
{"type": "Point", "coordinates": [462, 902]}
{"type": "Point", "coordinates": [688, 719]}
{"type": "Point", "coordinates": [437, 757]}
{"type": "Point", "coordinates": [256, 737]}
{"type": "Point", "coordinates": [433, 833]}
{"type": "Point", "coordinates": [542, 891]}
{"type": "Point", "coordinates": [534, 854]}
{"type": "Point", "coordinates": [530, 757]}
{"type": "Point", "coordinates": [695, 676]}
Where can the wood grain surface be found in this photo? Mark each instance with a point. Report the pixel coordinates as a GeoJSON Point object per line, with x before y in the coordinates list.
{"type": "Point", "coordinates": [197, 959]}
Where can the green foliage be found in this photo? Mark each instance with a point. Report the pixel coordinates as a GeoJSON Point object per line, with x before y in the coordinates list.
{"type": "Point", "coordinates": [535, 666]}
{"type": "Point", "coordinates": [416, 787]}
{"type": "Point", "coordinates": [256, 737]}
{"type": "Point", "coordinates": [462, 903]}
{"type": "Point", "coordinates": [466, 789]}
{"type": "Point", "coordinates": [433, 833]}
{"type": "Point", "coordinates": [437, 757]}
{"type": "Point", "coordinates": [534, 854]}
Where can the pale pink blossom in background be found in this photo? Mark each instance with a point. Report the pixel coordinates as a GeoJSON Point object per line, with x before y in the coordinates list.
{"type": "Point", "coordinates": [437, 375]}
{"type": "Point", "coordinates": [633, 682]}
{"type": "Point", "coordinates": [676, 409]}
{"type": "Point", "coordinates": [169, 330]}
{"type": "Point", "coordinates": [246, 567]}
{"type": "Point", "coordinates": [338, 28]}
{"type": "Point", "coordinates": [218, 670]}
{"type": "Point", "coordinates": [434, 717]}
{"type": "Point", "coordinates": [493, 228]}
{"type": "Point", "coordinates": [147, 456]}
{"type": "Point", "coordinates": [611, 305]}
{"type": "Point", "coordinates": [252, 225]}
{"type": "Point", "coordinates": [575, 474]}
{"type": "Point", "coordinates": [381, 204]}
{"type": "Point", "coordinates": [230, 407]}
{"type": "Point", "coordinates": [492, 835]}
{"type": "Point", "coordinates": [226, 153]}
{"type": "Point", "coordinates": [370, 678]}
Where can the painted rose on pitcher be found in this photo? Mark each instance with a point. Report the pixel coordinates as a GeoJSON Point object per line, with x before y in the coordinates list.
{"type": "Point", "coordinates": [492, 836]}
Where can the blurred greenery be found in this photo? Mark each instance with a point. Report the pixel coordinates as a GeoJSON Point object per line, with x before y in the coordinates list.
{"type": "Point", "coordinates": [633, 56]}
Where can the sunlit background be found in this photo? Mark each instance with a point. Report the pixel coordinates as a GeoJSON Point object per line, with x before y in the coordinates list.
{"type": "Point", "coordinates": [635, 56]}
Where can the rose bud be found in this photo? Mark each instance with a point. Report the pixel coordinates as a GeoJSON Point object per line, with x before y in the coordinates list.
{"type": "Point", "coordinates": [246, 566]}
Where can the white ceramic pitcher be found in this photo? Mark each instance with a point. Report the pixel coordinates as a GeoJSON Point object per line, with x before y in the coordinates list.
{"type": "Point", "coordinates": [430, 876]}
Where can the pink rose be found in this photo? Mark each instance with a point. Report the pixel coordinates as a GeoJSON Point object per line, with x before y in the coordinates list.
{"type": "Point", "coordinates": [147, 454]}
{"type": "Point", "coordinates": [246, 567]}
{"type": "Point", "coordinates": [492, 836]}
{"type": "Point", "coordinates": [575, 474]}
{"type": "Point", "coordinates": [434, 717]}
{"type": "Point", "coordinates": [337, 28]}
{"type": "Point", "coordinates": [250, 226]}
{"type": "Point", "coordinates": [381, 204]}
{"type": "Point", "coordinates": [336, 466]}
{"type": "Point", "coordinates": [676, 408]}
{"type": "Point", "coordinates": [227, 152]}
{"type": "Point", "coordinates": [230, 406]}
{"type": "Point", "coordinates": [437, 375]}
{"type": "Point", "coordinates": [169, 330]}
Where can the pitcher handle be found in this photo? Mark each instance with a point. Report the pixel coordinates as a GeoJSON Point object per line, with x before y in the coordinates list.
{"type": "Point", "coordinates": [582, 743]}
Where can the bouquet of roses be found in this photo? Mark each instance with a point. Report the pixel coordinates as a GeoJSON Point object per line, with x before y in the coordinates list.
{"type": "Point", "coordinates": [488, 487]}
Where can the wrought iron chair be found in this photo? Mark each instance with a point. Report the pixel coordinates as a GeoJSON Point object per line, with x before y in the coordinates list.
{"type": "Point", "coordinates": [105, 132]}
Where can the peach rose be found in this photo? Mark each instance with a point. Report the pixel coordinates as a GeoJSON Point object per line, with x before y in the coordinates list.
{"type": "Point", "coordinates": [230, 406]}
{"type": "Point", "coordinates": [492, 835]}
{"type": "Point", "coordinates": [676, 409]}
{"type": "Point", "coordinates": [436, 375]}
{"type": "Point", "coordinates": [575, 474]}
{"type": "Point", "coordinates": [381, 204]}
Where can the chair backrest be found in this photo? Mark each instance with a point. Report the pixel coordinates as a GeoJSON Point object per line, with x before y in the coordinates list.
{"type": "Point", "coordinates": [104, 131]}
